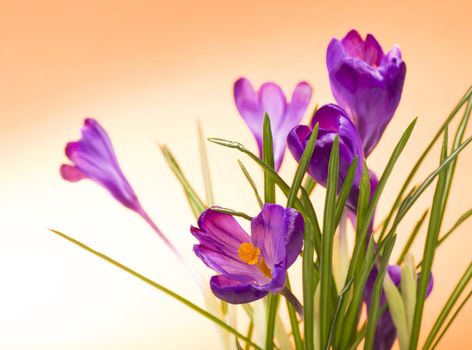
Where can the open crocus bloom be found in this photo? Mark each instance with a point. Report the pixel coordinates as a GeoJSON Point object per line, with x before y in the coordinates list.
{"type": "Point", "coordinates": [386, 333]}
{"type": "Point", "coordinates": [270, 99]}
{"type": "Point", "coordinates": [249, 266]}
{"type": "Point", "coordinates": [332, 121]}
{"type": "Point", "coordinates": [366, 83]}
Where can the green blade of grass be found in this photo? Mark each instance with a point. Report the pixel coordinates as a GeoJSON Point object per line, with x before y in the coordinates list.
{"type": "Point", "coordinates": [374, 309]}
{"type": "Point", "coordinates": [418, 163]}
{"type": "Point", "coordinates": [412, 237]}
{"type": "Point", "coordinates": [309, 185]}
{"type": "Point", "coordinates": [195, 202]}
{"type": "Point", "coordinates": [251, 183]}
{"type": "Point", "coordinates": [451, 301]}
{"type": "Point", "coordinates": [268, 158]}
{"type": "Point", "coordinates": [308, 287]}
{"type": "Point", "coordinates": [345, 189]}
{"type": "Point", "coordinates": [232, 212]}
{"type": "Point", "coordinates": [327, 242]}
{"type": "Point", "coordinates": [294, 322]}
{"type": "Point", "coordinates": [205, 166]}
{"type": "Point", "coordinates": [272, 305]}
{"type": "Point", "coordinates": [451, 320]}
{"type": "Point", "coordinates": [437, 211]}
{"type": "Point", "coordinates": [302, 167]}
{"type": "Point", "coordinates": [161, 288]}
{"type": "Point", "coordinates": [459, 221]}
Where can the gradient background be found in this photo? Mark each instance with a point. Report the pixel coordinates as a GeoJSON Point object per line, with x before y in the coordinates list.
{"type": "Point", "coordinates": [147, 70]}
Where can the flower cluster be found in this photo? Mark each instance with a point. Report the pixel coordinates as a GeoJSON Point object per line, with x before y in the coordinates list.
{"type": "Point", "coordinates": [366, 84]}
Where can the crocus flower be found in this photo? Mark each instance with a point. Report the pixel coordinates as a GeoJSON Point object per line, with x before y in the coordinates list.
{"type": "Point", "coordinates": [366, 83]}
{"type": "Point", "coordinates": [332, 120]}
{"type": "Point", "coordinates": [249, 266]}
{"type": "Point", "coordinates": [270, 99]}
{"type": "Point", "coordinates": [93, 158]}
{"type": "Point", "coordinates": [386, 333]}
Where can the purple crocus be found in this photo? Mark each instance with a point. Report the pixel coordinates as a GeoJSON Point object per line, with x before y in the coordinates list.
{"type": "Point", "coordinates": [332, 121]}
{"type": "Point", "coordinates": [386, 333]}
{"type": "Point", "coordinates": [249, 266]}
{"type": "Point", "coordinates": [366, 83]}
{"type": "Point", "coordinates": [270, 99]}
{"type": "Point", "coordinates": [93, 158]}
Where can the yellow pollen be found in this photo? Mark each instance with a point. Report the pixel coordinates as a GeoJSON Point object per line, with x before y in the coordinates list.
{"type": "Point", "coordinates": [251, 255]}
{"type": "Point", "coordinates": [248, 253]}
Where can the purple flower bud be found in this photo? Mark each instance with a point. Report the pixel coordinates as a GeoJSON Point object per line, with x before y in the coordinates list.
{"type": "Point", "coordinates": [249, 266]}
{"type": "Point", "coordinates": [270, 99]}
{"type": "Point", "coordinates": [366, 83]}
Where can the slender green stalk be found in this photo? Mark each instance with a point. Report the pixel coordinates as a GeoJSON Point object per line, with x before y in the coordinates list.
{"type": "Point", "coordinates": [418, 163]}
{"type": "Point", "coordinates": [205, 166]}
{"type": "Point", "coordinates": [252, 183]}
{"type": "Point", "coordinates": [268, 158]}
{"type": "Point", "coordinates": [294, 322]}
{"type": "Point", "coordinates": [309, 185]}
{"type": "Point", "coordinates": [232, 212]}
{"type": "Point", "coordinates": [334, 322]}
{"type": "Point", "coordinates": [302, 167]}
{"type": "Point", "coordinates": [437, 211]}
{"type": "Point", "coordinates": [326, 256]}
{"type": "Point", "coordinates": [249, 334]}
{"type": "Point", "coordinates": [374, 309]}
{"type": "Point", "coordinates": [272, 304]}
{"type": "Point", "coordinates": [453, 317]}
{"type": "Point", "coordinates": [451, 301]}
{"type": "Point", "coordinates": [459, 221]}
{"type": "Point", "coordinates": [412, 237]}
{"type": "Point", "coordinates": [161, 288]}
{"type": "Point", "coordinates": [308, 287]}
{"type": "Point", "coordinates": [345, 189]}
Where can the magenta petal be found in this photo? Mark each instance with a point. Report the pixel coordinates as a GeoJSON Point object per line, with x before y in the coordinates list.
{"type": "Point", "coordinates": [270, 99]}
{"type": "Point", "coordinates": [93, 157]}
{"type": "Point", "coordinates": [278, 232]}
{"type": "Point", "coordinates": [235, 291]}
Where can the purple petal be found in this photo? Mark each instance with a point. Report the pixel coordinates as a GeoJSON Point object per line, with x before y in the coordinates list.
{"type": "Point", "coordinates": [278, 232]}
{"type": "Point", "coordinates": [366, 83]}
{"type": "Point", "coordinates": [219, 230]}
{"type": "Point", "coordinates": [235, 291]}
{"type": "Point", "coordinates": [270, 99]}
{"type": "Point", "coordinates": [93, 157]}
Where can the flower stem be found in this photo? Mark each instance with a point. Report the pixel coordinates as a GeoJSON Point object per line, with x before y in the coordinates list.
{"type": "Point", "coordinates": [292, 299]}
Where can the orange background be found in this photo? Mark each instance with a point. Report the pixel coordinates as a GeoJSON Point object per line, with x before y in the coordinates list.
{"type": "Point", "coordinates": [147, 70]}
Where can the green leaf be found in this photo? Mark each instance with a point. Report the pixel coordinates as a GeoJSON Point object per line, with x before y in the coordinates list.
{"type": "Point", "coordinates": [459, 221]}
{"type": "Point", "coordinates": [418, 163]}
{"type": "Point", "coordinates": [329, 228]}
{"type": "Point", "coordinates": [195, 202]}
{"type": "Point", "coordinates": [337, 312]}
{"type": "Point", "coordinates": [451, 301]}
{"type": "Point", "coordinates": [451, 320]}
{"type": "Point", "coordinates": [434, 226]}
{"type": "Point", "coordinates": [161, 288]}
{"type": "Point", "coordinates": [346, 189]}
{"type": "Point", "coordinates": [302, 167]}
{"type": "Point", "coordinates": [294, 322]}
{"type": "Point", "coordinates": [249, 334]}
{"type": "Point", "coordinates": [205, 166]}
{"type": "Point", "coordinates": [268, 158]}
{"type": "Point", "coordinates": [397, 311]}
{"type": "Point", "coordinates": [272, 304]}
{"type": "Point", "coordinates": [412, 237]}
{"type": "Point", "coordinates": [252, 183]}
{"type": "Point", "coordinates": [309, 185]}
{"type": "Point", "coordinates": [308, 287]}
{"type": "Point", "coordinates": [232, 212]}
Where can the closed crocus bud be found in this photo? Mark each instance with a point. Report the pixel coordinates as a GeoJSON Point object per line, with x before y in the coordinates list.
{"type": "Point", "coordinates": [366, 83]}
{"type": "Point", "coordinates": [332, 121]}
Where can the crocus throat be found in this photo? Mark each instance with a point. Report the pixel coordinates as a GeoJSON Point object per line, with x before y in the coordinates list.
{"type": "Point", "coordinates": [251, 255]}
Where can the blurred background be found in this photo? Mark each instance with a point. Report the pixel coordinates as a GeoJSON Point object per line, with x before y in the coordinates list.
{"type": "Point", "coordinates": [147, 70]}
